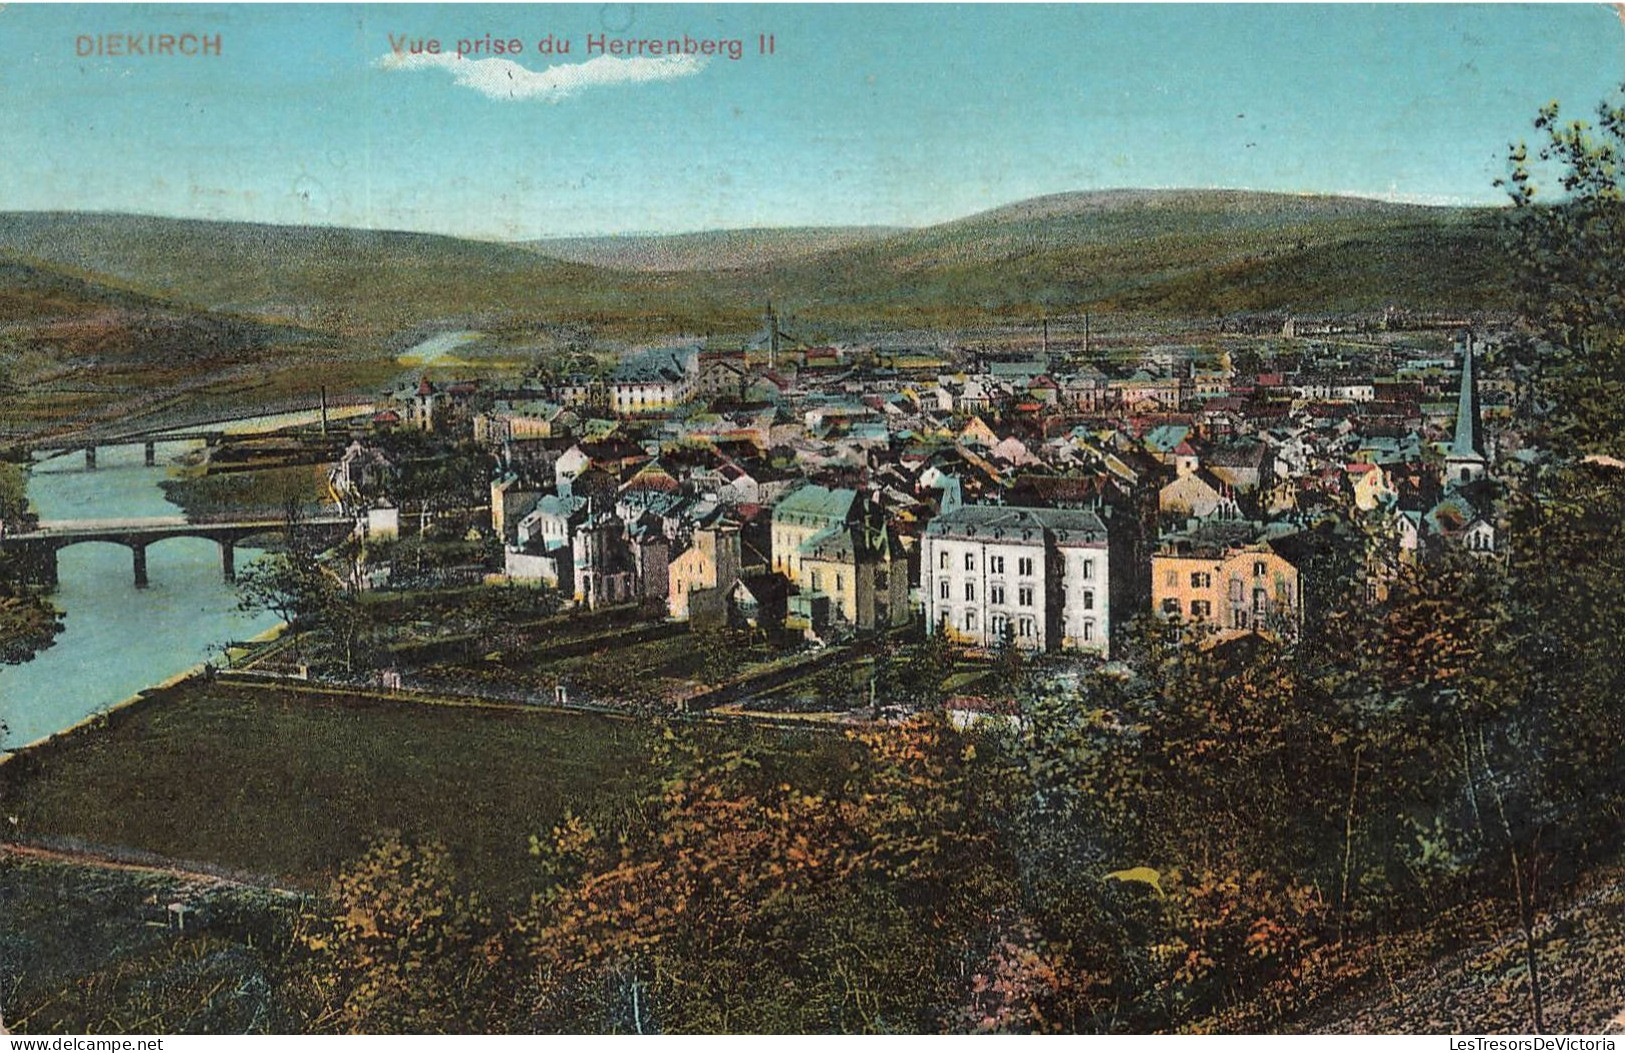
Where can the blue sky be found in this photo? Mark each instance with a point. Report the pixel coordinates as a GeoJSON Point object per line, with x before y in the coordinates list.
{"type": "Point", "coordinates": [864, 114]}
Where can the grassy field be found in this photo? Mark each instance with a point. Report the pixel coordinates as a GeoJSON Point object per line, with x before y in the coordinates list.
{"type": "Point", "coordinates": [292, 785]}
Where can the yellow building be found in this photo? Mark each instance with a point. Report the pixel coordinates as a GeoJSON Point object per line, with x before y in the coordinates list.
{"type": "Point", "coordinates": [1234, 590]}
{"type": "Point", "coordinates": [863, 572]}
{"type": "Point", "coordinates": [801, 516]}
{"type": "Point", "coordinates": [837, 547]}
{"type": "Point", "coordinates": [700, 578]}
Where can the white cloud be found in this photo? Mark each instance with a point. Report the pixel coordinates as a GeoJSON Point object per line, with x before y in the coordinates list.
{"type": "Point", "coordinates": [500, 78]}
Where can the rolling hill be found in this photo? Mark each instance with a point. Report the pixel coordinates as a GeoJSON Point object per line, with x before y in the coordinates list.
{"type": "Point", "coordinates": [326, 277]}
{"type": "Point", "coordinates": [1169, 253]}
{"type": "Point", "coordinates": [78, 354]}
{"type": "Point", "coordinates": [1161, 252]}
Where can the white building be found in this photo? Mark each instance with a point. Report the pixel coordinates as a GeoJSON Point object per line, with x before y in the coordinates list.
{"type": "Point", "coordinates": [653, 381]}
{"type": "Point", "coordinates": [1039, 578]}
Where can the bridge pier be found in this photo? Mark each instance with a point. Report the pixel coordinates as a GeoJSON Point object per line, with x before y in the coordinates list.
{"type": "Point", "coordinates": [152, 453]}
{"type": "Point", "coordinates": [90, 458]}
{"type": "Point", "coordinates": [228, 560]}
{"type": "Point", "coordinates": [139, 553]}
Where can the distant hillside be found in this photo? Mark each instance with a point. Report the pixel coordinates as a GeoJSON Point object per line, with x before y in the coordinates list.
{"type": "Point", "coordinates": [707, 250]}
{"type": "Point", "coordinates": [1161, 252]}
{"type": "Point", "coordinates": [83, 353]}
{"type": "Point", "coordinates": [1169, 253]}
{"type": "Point", "coordinates": [331, 278]}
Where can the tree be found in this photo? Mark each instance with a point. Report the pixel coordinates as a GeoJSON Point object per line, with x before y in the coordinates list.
{"type": "Point", "coordinates": [13, 493]}
{"type": "Point", "coordinates": [911, 675]}
{"type": "Point", "coordinates": [28, 621]}
{"type": "Point", "coordinates": [1568, 255]}
{"type": "Point", "coordinates": [738, 901]}
{"type": "Point", "coordinates": [398, 947]}
{"type": "Point", "coordinates": [291, 585]}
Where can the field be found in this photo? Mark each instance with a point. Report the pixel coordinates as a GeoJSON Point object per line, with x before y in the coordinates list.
{"type": "Point", "coordinates": [289, 786]}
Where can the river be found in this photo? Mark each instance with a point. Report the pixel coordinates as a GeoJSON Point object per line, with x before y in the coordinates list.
{"type": "Point", "coordinates": [119, 639]}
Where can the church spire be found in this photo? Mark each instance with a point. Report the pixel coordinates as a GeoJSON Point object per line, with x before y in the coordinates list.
{"type": "Point", "coordinates": [1465, 460]}
{"type": "Point", "coordinates": [1466, 442]}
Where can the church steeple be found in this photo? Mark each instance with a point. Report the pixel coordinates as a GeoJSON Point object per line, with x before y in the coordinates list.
{"type": "Point", "coordinates": [1465, 462]}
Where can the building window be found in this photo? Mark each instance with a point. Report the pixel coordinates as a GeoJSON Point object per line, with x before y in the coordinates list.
{"type": "Point", "coordinates": [1088, 599]}
{"type": "Point", "coordinates": [837, 583]}
{"type": "Point", "coordinates": [970, 591]}
{"type": "Point", "coordinates": [1024, 596]}
{"type": "Point", "coordinates": [942, 560]}
{"type": "Point", "coordinates": [1259, 600]}
{"type": "Point", "coordinates": [1201, 608]}
{"type": "Point", "coordinates": [1026, 628]}
{"type": "Point", "coordinates": [970, 561]}
{"type": "Point", "coordinates": [1237, 591]}
{"type": "Point", "coordinates": [1258, 569]}
{"type": "Point", "coordinates": [1171, 579]}
{"type": "Point", "coordinates": [1024, 566]}
{"type": "Point", "coordinates": [1201, 580]}
{"type": "Point", "coordinates": [998, 625]}
{"type": "Point", "coordinates": [995, 594]}
{"type": "Point", "coordinates": [1088, 570]}
{"type": "Point", "coordinates": [815, 581]}
{"type": "Point", "coordinates": [943, 590]}
{"type": "Point", "coordinates": [970, 621]}
{"type": "Point", "coordinates": [1088, 629]}
{"type": "Point", "coordinates": [995, 564]}
{"type": "Point", "coordinates": [1170, 606]}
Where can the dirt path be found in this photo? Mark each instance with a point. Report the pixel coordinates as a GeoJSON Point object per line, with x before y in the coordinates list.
{"type": "Point", "coordinates": [108, 861]}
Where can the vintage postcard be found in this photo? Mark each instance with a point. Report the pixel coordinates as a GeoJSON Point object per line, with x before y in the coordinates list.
{"type": "Point", "coordinates": [925, 519]}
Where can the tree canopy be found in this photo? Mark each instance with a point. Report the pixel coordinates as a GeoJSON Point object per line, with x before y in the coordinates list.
{"type": "Point", "coordinates": [1566, 238]}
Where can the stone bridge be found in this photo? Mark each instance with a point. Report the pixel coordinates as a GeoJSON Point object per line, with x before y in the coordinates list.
{"type": "Point", "coordinates": [37, 548]}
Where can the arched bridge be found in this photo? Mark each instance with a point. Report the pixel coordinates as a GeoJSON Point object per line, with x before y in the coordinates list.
{"type": "Point", "coordinates": [37, 548]}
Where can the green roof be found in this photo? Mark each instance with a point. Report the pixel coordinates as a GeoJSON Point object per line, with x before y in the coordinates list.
{"type": "Point", "coordinates": [814, 500]}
